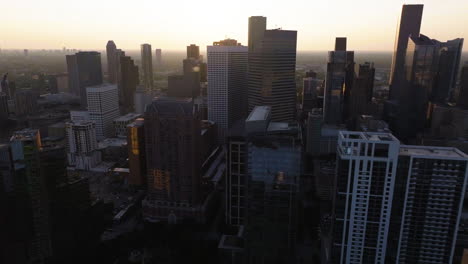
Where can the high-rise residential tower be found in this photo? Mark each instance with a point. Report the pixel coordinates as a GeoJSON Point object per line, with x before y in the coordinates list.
{"type": "Point", "coordinates": [396, 203]}
{"type": "Point", "coordinates": [427, 204]}
{"type": "Point", "coordinates": [257, 27]}
{"type": "Point", "coordinates": [103, 108]}
{"type": "Point", "coordinates": [366, 169]}
{"type": "Point", "coordinates": [147, 66]}
{"type": "Point", "coordinates": [111, 61]}
{"type": "Point", "coordinates": [227, 84]}
{"type": "Point", "coordinates": [338, 83]}
{"type": "Point", "coordinates": [409, 25]}
{"type": "Point", "coordinates": [271, 70]}
{"type": "Point", "coordinates": [82, 152]}
{"type": "Point", "coordinates": [84, 69]}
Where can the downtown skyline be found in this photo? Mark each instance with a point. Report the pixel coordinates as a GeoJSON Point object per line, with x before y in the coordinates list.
{"type": "Point", "coordinates": [369, 27]}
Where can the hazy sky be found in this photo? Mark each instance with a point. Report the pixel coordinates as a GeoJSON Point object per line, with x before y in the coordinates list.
{"type": "Point", "coordinates": [172, 24]}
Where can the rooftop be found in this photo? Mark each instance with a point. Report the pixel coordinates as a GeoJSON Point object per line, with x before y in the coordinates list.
{"type": "Point", "coordinates": [101, 88]}
{"type": "Point", "coordinates": [112, 142]}
{"type": "Point", "coordinates": [137, 123]}
{"type": "Point", "coordinates": [171, 106]}
{"type": "Point", "coordinates": [127, 117]}
{"type": "Point", "coordinates": [367, 136]}
{"type": "Point", "coordinates": [433, 152]}
{"type": "Point", "coordinates": [259, 113]}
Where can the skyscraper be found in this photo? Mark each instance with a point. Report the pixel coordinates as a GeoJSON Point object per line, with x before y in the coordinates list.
{"type": "Point", "coordinates": [136, 152]}
{"type": "Point", "coordinates": [262, 180]}
{"type": "Point", "coordinates": [463, 94]}
{"type": "Point", "coordinates": [193, 52]}
{"type": "Point", "coordinates": [103, 108]}
{"type": "Point", "coordinates": [257, 27]}
{"type": "Point", "coordinates": [4, 86]}
{"type": "Point", "coordinates": [227, 83]}
{"type": "Point", "coordinates": [309, 92]}
{"type": "Point", "coordinates": [360, 96]}
{"type": "Point", "coordinates": [128, 82]}
{"type": "Point", "coordinates": [172, 135]}
{"type": "Point", "coordinates": [271, 71]}
{"type": "Point", "coordinates": [410, 24]}
{"type": "Point", "coordinates": [362, 210]}
{"type": "Point", "coordinates": [25, 102]}
{"type": "Point", "coordinates": [158, 57]}
{"type": "Point", "coordinates": [147, 66]}
{"type": "Point", "coordinates": [4, 111]}
{"type": "Point", "coordinates": [448, 55]}
{"type": "Point", "coordinates": [84, 69]}
{"type": "Point", "coordinates": [428, 202]}
{"type": "Point", "coordinates": [82, 145]}
{"type": "Point", "coordinates": [186, 85]}
{"type": "Point", "coordinates": [338, 83]}
{"type": "Point", "coordinates": [417, 95]}
{"type": "Point", "coordinates": [30, 186]}
{"type": "Point", "coordinates": [111, 61]}
{"type": "Point", "coordinates": [396, 203]}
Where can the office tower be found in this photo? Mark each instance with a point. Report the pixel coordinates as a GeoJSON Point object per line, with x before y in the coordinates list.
{"type": "Point", "coordinates": [463, 94]}
{"type": "Point", "coordinates": [257, 27]}
{"type": "Point", "coordinates": [136, 152]}
{"type": "Point", "coordinates": [172, 135]}
{"type": "Point", "coordinates": [420, 59]}
{"type": "Point", "coordinates": [25, 52]}
{"type": "Point", "coordinates": [366, 169]}
{"type": "Point", "coordinates": [193, 52]}
{"type": "Point", "coordinates": [227, 83]}
{"type": "Point", "coordinates": [190, 65]}
{"type": "Point", "coordinates": [360, 96]}
{"type": "Point", "coordinates": [25, 102]}
{"type": "Point", "coordinates": [186, 85]}
{"type": "Point", "coordinates": [30, 186]}
{"type": "Point", "coordinates": [111, 61]}
{"type": "Point", "coordinates": [82, 145]}
{"type": "Point", "coordinates": [410, 24]}
{"type": "Point", "coordinates": [142, 99]}
{"type": "Point", "coordinates": [445, 79]}
{"type": "Point", "coordinates": [271, 74]}
{"type": "Point", "coordinates": [309, 91]}
{"type": "Point", "coordinates": [338, 83]}
{"type": "Point", "coordinates": [128, 81]}
{"type": "Point", "coordinates": [62, 83]}
{"type": "Point", "coordinates": [428, 203]}
{"type": "Point", "coordinates": [4, 111]}
{"type": "Point", "coordinates": [103, 108]}
{"type": "Point", "coordinates": [4, 85]}
{"type": "Point", "coordinates": [52, 84]}
{"type": "Point", "coordinates": [84, 69]}
{"type": "Point", "coordinates": [273, 162]}
{"type": "Point", "coordinates": [203, 72]}
{"type": "Point", "coordinates": [158, 57]}
{"type": "Point", "coordinates": [120, 124]}
{"type": "Point", "coordinates": [147, 66]}
{"type": "Point", "coordinates": [314, 131]}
